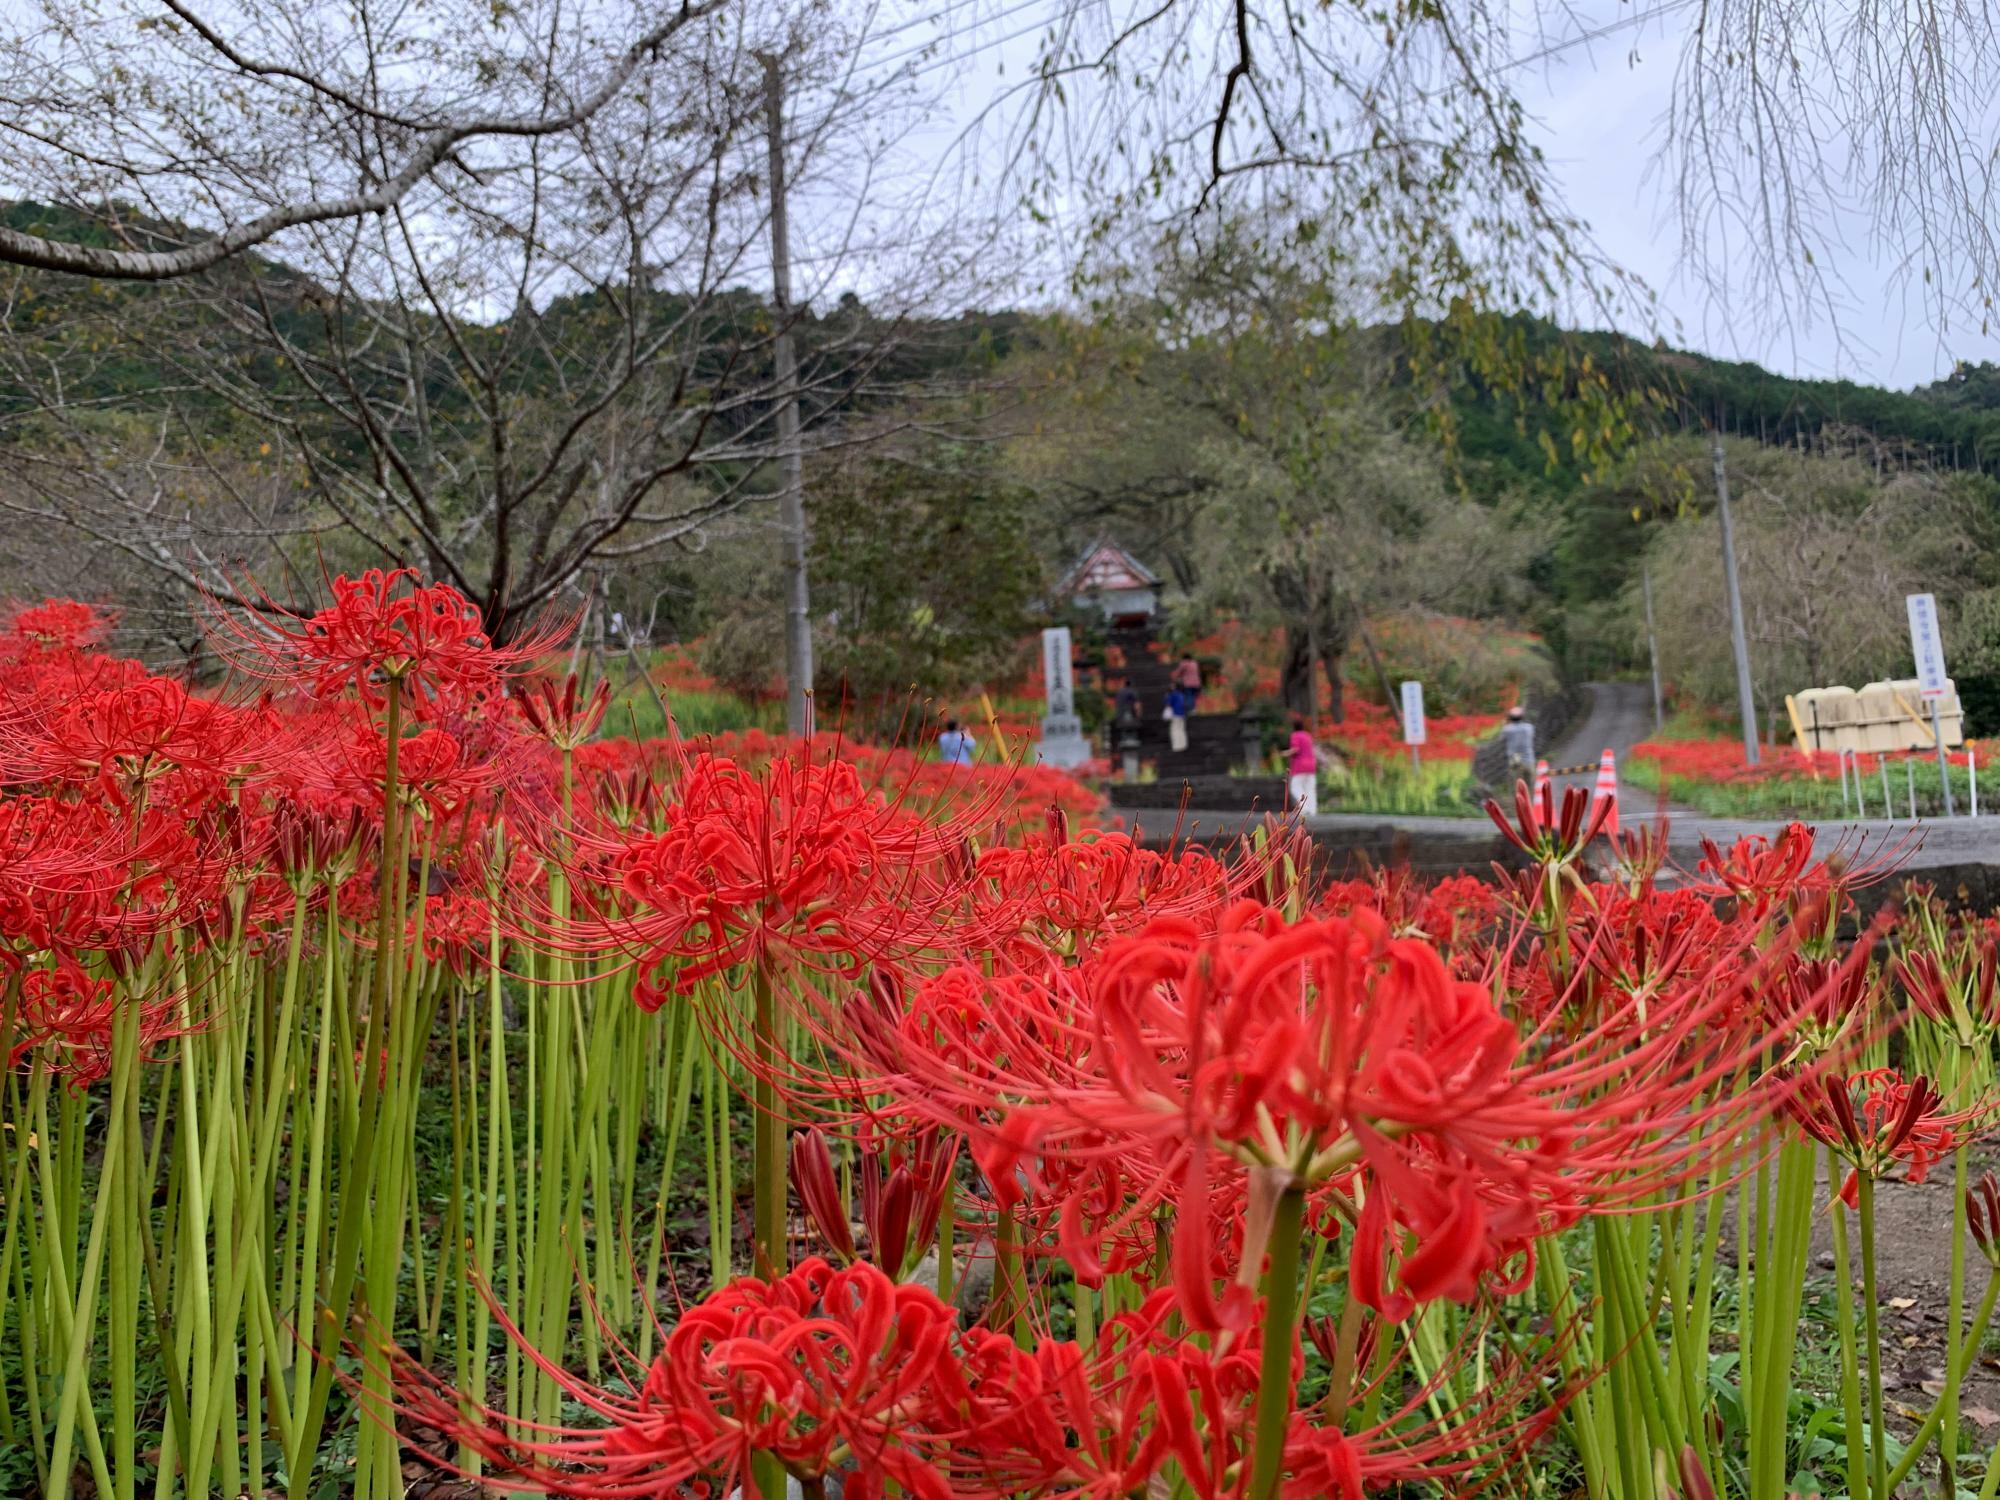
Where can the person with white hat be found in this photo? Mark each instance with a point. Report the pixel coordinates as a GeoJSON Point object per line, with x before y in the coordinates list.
{"type": "Point", "coordinates": [1517, 738]}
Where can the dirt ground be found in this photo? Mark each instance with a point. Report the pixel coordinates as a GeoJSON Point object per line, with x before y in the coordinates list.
{"type": "Point", "coordinates": [1913, 1275]}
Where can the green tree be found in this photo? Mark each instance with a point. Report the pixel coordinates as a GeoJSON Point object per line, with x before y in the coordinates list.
{"type": "Point", "coordinates": [1237, 427]}
{"type": "Point", "coordinates": [925, 578]}
{"type": "Point", "coordinates": [1827, 548]}
{"type": "Point", "coordinates": [925, 575]}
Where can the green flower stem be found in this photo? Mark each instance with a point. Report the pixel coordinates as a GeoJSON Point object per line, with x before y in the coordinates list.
{"type": "Point", "coordinates": [1878, 1437]}
{"type": "Point", "coordinates": [1843, 1301]}
{"type": "Point", "coordinates": [1955, 1303]}
{"type": "Point", "coordinates": [83, 1322]}
{"type": "Point", "coordinates": [1281, 1316]}
{"type": "Point", "coordinates": [360, 1169]}
{"type": "Point", "coordinates": [767, 1146]}
{"type": "Point", "coordinates": [947, 1275]}
{"type": "Point", "coordinates": [1991, 1486]}
{"type": "Point", "coordinates": [1946, 1406]}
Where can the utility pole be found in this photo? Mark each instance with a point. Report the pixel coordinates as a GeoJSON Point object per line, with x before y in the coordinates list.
{"type": "Point", "coordinates": [791, 496]}
{"type": "Point", "coordinates": [1652, 645]}
{"type": "Point", "coordinates": [1746, 701]}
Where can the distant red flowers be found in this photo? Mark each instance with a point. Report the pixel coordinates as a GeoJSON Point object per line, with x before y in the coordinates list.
{"type": "Point", "coordinates": [385, 626]}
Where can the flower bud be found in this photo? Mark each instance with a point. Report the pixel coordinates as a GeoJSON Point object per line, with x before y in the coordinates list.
{"type": "Point", "coordinates": [819, 1191]}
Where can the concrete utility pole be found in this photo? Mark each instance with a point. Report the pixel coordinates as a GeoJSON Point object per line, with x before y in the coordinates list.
{"type": "Point", "coordinates": [1746, 701]}
{"type": "Point", "coordinates": [1652, 646]}
{"type": "Point", "coordinates": [791, 497]}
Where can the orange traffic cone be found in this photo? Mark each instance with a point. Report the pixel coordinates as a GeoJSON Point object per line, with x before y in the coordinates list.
{"type": "Point", "coordinates": [1607, 791]}
{"type": "Point", "coordinates": [1541, 779]}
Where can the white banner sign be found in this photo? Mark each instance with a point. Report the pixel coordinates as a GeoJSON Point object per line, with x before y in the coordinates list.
{"type": "Point", "coordinates": [1927, 645]}
{"type": "Point", "coordinates": [1413, 713]}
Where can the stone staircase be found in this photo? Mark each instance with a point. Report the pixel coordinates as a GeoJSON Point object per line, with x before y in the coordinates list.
{"type": "Point", "coordinates": [1215, 744]}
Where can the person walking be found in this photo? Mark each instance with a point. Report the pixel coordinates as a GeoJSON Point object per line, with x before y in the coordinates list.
{"type": "Point", "coordinates": [1304, 767]}
{"type": "Point", "coordinates": [1187, 677]}
{"type": "Point", "coordinates": [1517, 739]}
{"type": "Point", "coordinates": [955, 746]}
{"type": "Point", "coordinates": [1176, 717]}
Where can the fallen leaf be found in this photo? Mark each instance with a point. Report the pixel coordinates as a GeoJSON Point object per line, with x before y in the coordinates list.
{"type": "Point", "coordinates": [1899, 1303]}
{"type": "Point", "coordinates": [1985, 1416]}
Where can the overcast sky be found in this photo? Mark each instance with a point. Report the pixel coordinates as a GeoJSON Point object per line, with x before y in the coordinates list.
{"type": "Point", "coordinates": [1598, 107]}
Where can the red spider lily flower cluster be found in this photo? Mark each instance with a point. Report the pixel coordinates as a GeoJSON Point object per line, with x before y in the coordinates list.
{"type": "Point", "coordinates": [802, 861]}
{"type": "Point", "coordinates": [385, 626]}
{"type": "Point", "coordinates": [1548, 836]}
{"type": "Point", "coordinates": [847, 1372]}
{"type": "Point", "coordinates": [138, 804]}
{"type": "Point", "coordinates": [1156, 1057]}
{"type": "Point", "coordinates": [1877, 1119]}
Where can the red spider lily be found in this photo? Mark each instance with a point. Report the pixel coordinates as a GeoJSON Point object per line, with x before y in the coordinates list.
{"type": "Point", "coordinates": [1320, 1047]}
{"type": "Point", "coordinates": [1548, 837]}
{"type": "Point", "coordinates": [68, 1016]}
{"type": "Point", "coordinates": [802, 861]}
{"type": "Point", "coordinates": [1134, 1406]}
{"type": "Point", "coordinates": [1065, 888]}
{"type": "Point", "coordinates": [433, 772]}
{"type": "Point", "coordinates": [1955, 988]}
{"type": "Point", "coordinates": [310, 845]}
{"type": "Point", "coordinates": [1638, 855]}
{"type": "Point", "coordinates": [1833, 1001]}
{"type": "Point", "coordinates": [61, 622]}
{"type": "Point", "coordinates": [816, 1368]}
{"type": "Point", "coordinates": [1898, 1120]}
{"type": "Point", "coordinates": [1768, 874]}
{"type": "Point", "coordinates": [565, 717]}
{"type": "Point", "coordinates": [125, 736]}
{"type": "Point", "coordinates": [385, 626]}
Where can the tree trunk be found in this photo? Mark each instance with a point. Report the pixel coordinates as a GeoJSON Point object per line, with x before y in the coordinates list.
{"type": "Point", "coordinates": [1295, 675]}
{"type": "Point", "coordinates": [1332, 654]}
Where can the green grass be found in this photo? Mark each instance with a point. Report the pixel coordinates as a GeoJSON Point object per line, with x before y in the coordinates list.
{"type": "Point", "coordinates": [1440, 788]}
{"type": "Point", "coordinates": [634, 712]}
{"type": "Point", "coordinates": [1821, 800]}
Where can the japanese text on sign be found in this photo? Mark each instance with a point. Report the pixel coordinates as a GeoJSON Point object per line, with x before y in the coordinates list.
{"type": "Point", "coordinates": [1927, 644]}
{"type": "Point", "coordinates": [1413, 713]}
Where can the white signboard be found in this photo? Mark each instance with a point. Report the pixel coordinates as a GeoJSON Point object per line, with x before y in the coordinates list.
{"type": "Point", "coordinates": [1413, 713]}
{"type": "Point", "coordinates": [1927, 644]}
{"type": "Point", "coordinates": [1057, 673]}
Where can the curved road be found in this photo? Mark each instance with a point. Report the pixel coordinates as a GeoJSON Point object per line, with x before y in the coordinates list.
{"type": "Point", "coordinates": [1619, 717]}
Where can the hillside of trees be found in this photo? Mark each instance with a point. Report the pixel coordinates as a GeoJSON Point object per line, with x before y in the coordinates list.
{"type": "Point", "coordinates": [1274, 465]}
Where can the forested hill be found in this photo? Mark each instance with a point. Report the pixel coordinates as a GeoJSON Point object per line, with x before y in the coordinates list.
{"type": "Point", "coordinates": [136, 346]}
{"type": "Point", "coordinates": [1500, 436]}
{"type": "Point", "coordinates": [1953, 423]}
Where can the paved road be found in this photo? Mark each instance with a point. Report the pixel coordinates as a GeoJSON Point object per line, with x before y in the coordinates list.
{"type": "Point", "coordinates": [1620, 716]}
{"type": "Point", "coordinates": [1914, 846]}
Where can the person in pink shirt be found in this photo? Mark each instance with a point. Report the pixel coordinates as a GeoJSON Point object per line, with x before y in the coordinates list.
{"type": "Point", "coordinates": [1304, 766]}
